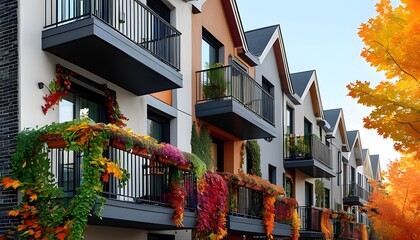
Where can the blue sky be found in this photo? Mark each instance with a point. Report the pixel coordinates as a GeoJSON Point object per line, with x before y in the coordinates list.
{"type": "Point", "coordinates": [322, 35]}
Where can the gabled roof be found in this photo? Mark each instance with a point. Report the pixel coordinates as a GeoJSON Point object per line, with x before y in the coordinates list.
{"type": "Point", "coordinates": [301, 81]}
{"type": "Point", "coordinates": [367, 164]}
{"type": "Point", "coordinates": [335, 117]}
{"type": "Point", "coordinates": [355, 145]}
{"type": "Point", "coordinates": [376, 168]}
{"type": "Point", "coordinates": [237, 30]}
{"type": "Point", "coordinates": [306, 83]}
{"type": "Point", "coordinates": [260, 42]}
{"type": "Point", "coordinates": [258, 39]}
{"type": "Point", "coordinates": [365, 153]}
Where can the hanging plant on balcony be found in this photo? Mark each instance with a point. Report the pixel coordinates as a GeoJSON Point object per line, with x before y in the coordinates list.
{"type": "Point", "coordinates": [326, 224]}
{"type": "Point", "coordinates": [114, 113]}
{"type": "Point", "coordinates": [286, 212]}
{"type": "Point", "coordinates": [269, 214]}
{"type": "Point", "coordinates": [212, 194]}
{"type": "Point", "coordinates": [177, 196]}
{"type": "Point", "coordinates": [199, 166]}
{"type": "Point", "coordinates": [215, 83]}
{"type": "Point", "coordinates": [58, 88]}
{"type": "Point", "coordinates": [43, 214]}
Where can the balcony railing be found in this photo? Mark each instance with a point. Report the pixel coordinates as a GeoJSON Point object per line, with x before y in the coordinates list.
{"type": "Point", "coordinates": [149, 181]}
{"type": "Point", "coordinates": [345, 230]}
{"type": "Point", "coordinates": [307, 147]}
{"type": "Point", "coordinates": [131, 18]}
{"type": "Point", "coordinates": [230, 82]}
{"type": "Point", "coordinates": [245, 202]}
{"type": "Point", "coordinates": [355, 190]}
{"type": "Point", "coordinates": [310, 219]}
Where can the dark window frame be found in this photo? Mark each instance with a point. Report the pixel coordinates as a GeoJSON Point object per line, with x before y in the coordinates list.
{"type": "Point", "coordinates": [272, 174]}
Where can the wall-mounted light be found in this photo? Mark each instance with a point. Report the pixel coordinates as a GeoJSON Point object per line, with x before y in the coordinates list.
{"type": "Point", "coordinates": [41, 85]}
{"type": "Point", "coordinates": [268, 139]}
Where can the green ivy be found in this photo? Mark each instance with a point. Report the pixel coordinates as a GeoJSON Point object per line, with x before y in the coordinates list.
{"type": "Point", "coordinates": [253, 154]}
{"type": "Point", "coordinates": [319, 193]}
{"type": "Point", "coordinates": [201, 145]}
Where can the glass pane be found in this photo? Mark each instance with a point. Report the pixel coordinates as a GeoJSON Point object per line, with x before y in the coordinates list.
{"type": "Point", "coordinates": [208, 55]}
{"type": "Point", "coordinates": [90, 109]}
{"type": "Point", "coordinates": [66, 109]}
{"type": "Point", "coordinates": [154, 129]}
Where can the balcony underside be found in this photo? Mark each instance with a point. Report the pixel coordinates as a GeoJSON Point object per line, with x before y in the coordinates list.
{"type": "Point", "coordinates": [253, 226]}
{"type": "Point", "coordinates": [235, 118]}
{"type": "Point", "coordinates": [354, 200]}
{"type": "Point", "coordinates": [140, 216]}
{"type": "Point", "coordinates": [311, 167]}
{"type": "Point", "coordinates": [311, 234]}
{"type": "Point", "coordinates": [102, 50]}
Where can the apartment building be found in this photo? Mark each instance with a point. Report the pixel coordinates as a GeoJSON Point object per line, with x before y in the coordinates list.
{"type": "Point", "coordinates": [170, 63]}
{"type": "Point", "coordinates": [140, 51]}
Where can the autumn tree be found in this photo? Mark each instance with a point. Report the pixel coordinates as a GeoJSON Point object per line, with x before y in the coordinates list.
{"type": "Point", "coordinates": [392, 45]}
{"type": "Point", "coordinates": [394, 206]}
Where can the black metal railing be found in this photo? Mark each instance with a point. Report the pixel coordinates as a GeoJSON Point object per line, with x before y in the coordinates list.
{"type": "Point", "coordinates": [356, 190]}
{"type": "Point", "coordinates": [232, 82]}
{"type": "Point", "coordinates": [306, 147]}
{"type": "Point", "coordinates": [131, 18]}
{"type": "Point", "coordinates": [149, 181]}
{"type": "Point", "coordinates": [310, 218]}
{"type": "Point", "coordinates": [245, 202]}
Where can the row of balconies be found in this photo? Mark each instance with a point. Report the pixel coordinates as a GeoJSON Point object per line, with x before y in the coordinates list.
{"type": "Point", "coordinates": [144, 202]}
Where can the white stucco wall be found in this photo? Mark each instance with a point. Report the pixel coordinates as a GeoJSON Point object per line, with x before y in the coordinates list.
{"type": "Point", "coordinates": [272, 152]}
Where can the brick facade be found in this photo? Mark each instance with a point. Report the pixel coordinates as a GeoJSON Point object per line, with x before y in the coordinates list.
{"type": "Point", "coordinates": [9, 108]}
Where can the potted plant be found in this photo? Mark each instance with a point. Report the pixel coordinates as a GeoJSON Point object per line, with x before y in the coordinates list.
{"type": "Point", "coordinates": [215, 85]}
{"type": "Point", "coordinates": [299, 149]}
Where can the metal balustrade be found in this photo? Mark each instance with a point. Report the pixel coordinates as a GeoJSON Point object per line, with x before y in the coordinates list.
{"type": "Point", "coordinates": [131, 18]}
{"type": "Point", "coordinates": [355, 190]}
{"type": "Point", "coordinates": [310, 218]}
{"type": "Point", "coordinates": [245, 202]}
{"type": "Point", "coordinates": [149, 181]}
{"type": "Point", "coordinates": [306, 147]}
{"type": "Point", "coordinates": [230, 82]}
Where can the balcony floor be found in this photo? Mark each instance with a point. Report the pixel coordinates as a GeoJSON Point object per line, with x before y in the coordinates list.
{"type": "Point", "coordinates": [255, 226]}
{"type": "Point", "coordinates": [97, 47]}
{"type": "Point", "coordinates": [312, 167]}
{"type": "Point", "coordinates": [140, 216]}
{"type": "Point", "coordinates": [234, 117]}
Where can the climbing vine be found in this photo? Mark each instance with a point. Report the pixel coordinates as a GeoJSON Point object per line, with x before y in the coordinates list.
{"type": "Point", "coordinates": [201, 144]}
{"type": "Point", "coordinates": [253, 156]}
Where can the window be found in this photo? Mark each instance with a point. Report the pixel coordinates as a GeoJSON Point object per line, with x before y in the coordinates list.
{"type": "Point", "coordinates": [326, 198]}
{"type": "Point", "coordinates": [158, 127]}
{"type": "Point", "coordinates": [339, 168]}
{"type": "Point", "coordinates": [288, 186]}
{"type": "Point", "coordinates": [289, 120]}
{"type": "Point", "coordinates": [359, 179]}
{"type": "Point", "coordinates": [353, 175]}
{"type": "Point", "coordinates": [267, 100]}
{"type": "Point", "coordinates": [272, 175]}
{"type": "Point", "coordinates": [307, 127]}
{"type": "Point", "coordinates": [217, 150]}
{"type": "Point", "coordinates": [81, 101]}
{"type": "Point", "coordinates": [209, 50]}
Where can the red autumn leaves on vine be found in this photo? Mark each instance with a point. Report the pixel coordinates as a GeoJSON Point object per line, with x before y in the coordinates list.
{"type": "Point", "coordinates": [58, 88]}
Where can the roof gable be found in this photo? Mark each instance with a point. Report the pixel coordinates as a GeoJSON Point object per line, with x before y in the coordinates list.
{"type": "Point", "coordinates": [335, 117]}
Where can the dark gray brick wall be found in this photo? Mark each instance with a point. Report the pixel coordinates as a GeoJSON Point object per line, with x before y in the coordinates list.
{"type": "Point", "coordinates": [9, 108]}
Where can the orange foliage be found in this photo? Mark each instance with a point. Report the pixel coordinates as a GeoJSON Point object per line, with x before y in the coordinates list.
{"type": "Point", "coordinates": [392, 45]}
{"type": "Point", "coordinates": [326, 224]}
{"type": "Point", "coordinates": [269, 214]}
{"type": "Point", "coordinates": [394, 206]}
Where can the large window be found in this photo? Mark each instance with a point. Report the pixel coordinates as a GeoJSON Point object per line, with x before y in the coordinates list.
{"type": "Point", "coordinates": [209, 50]}
{"type": "Point", "coordinates": [326, 198]}
{"type": "Point", "coordinates": [289, 120]}
{"type": "Point", "coordinates": [81, 102]}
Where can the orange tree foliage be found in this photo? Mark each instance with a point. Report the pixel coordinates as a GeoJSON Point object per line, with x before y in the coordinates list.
{"type": "Point", "coordinates": [392, 45]}
{"type": "Point", "coordinates": [394, 206]}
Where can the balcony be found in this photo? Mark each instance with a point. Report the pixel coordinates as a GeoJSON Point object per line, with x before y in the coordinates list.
{"type": "Point", "coordinates": [230, 99]}
{"type": "Point", "coordinates": [124, 42]}
{"type": "Point", "coordinates": [245, 213]}
{"type": "Point", "coordinates": [142, 203]}
{"type": "Point", "coordinates": [310, 222]}
{"type": "Point", "coordinates": [345, 230]}
{"type": "Point", "coordinates": [309, 155]}
{"type": "Point", "coordinates": [355, 195]}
